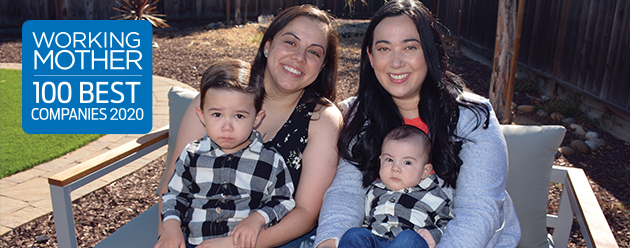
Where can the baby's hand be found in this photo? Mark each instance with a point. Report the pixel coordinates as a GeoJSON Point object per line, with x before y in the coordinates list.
{"type": "Point", "coordinates": [427, 237]}
{"type": "Point", "coordinates": [245, 234]}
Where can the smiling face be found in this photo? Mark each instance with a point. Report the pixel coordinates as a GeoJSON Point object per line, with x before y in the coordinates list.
{"type": "Point", "coordinates": [404, 163]}
{"type": "Point", "coordinates": [229, 117]}
{"type": "Point", "coordinates": [295, 56]}
{"type": "Point", "coordinates": [397, 58]}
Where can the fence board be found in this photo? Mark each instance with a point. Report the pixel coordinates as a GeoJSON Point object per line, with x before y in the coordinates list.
{"type": "Point", "coordinates": [613, 46]}
{"type": "Point", "coordinates": [569, 55]}
{"type": "Point", "coordinates": [605, 22]}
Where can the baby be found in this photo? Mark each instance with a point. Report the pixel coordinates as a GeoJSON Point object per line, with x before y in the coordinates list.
{"type": "Point", "coordinates": [406, 205]}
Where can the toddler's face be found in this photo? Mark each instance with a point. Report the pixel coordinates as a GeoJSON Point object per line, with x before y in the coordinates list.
{"type": "Point", "coordinates": [229, 117]}
{"type": "Point", "coordinates": [404, 164]}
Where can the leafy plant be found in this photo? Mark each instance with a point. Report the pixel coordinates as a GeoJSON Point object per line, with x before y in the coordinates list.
{"type": "Point", "coordinates": [568, 106]}
{"type": "Point", "coordinates": [141, 10]}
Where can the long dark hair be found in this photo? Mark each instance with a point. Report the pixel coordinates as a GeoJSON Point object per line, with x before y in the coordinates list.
{"type": "Point", "coordinates": [324, 85]}
{"type": "Point", "coordinates": [374, 113]}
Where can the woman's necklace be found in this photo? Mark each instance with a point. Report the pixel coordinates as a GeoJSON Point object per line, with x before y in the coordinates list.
{"type": "Point", "coordinates": [284, 117]}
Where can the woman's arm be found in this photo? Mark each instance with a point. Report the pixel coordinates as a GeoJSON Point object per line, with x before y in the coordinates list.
{"type": "Point", "coordinates": [480, 194]}
{"type": "Point", "coordinates": [319, 163]}
{"type": "Point", "coordinates": [344, 205]}
{"type": "Point", "coordinates": [190, 129]}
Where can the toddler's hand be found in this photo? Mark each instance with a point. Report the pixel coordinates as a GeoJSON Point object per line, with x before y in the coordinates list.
{"type": "Point", "coordinates": [172, 235]}
{"type": "Point", "coordinates": [245, 234]}
{"type": "Point", "coordinates": [427, 237]}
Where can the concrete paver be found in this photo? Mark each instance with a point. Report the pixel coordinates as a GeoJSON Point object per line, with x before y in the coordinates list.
{"type": "Point", "coordinates": [29, 191]}
{"type": "Point", "coordinates": [22, 216]}
{"type": "Point", "coordinates": [26, 195]}
{"type": "Point", "coordinates": [25, 175]}
{"type": "Point", "coordinates": [9, 205]}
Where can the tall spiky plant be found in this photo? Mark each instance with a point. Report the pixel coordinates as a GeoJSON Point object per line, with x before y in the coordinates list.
{"type": "Point", "coordinates": [141, 10]}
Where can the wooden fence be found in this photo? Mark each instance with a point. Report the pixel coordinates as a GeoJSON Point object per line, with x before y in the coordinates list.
{"type": "Point", "coordinates": [581, 44]}
{"type": "Point", "coordinates": [14, 13]}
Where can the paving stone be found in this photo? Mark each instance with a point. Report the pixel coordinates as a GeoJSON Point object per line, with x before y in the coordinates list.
{"type": "Point", "coordinates": [56, 165]}
{"type": "Point", "coordinates": [30, 191]}
{"type": "Point", "coordinates": [45, 204]}
{"type": "Point", "coordinates": [91, 154]}
{"type": "Point", "coordinates": [60, 168]}
{"type": "Point", "coordinates": [112, 138]}
{"type": "Point", "coordinates": [81, 155]}
{"type": "Point", "coordinates": [25, 175]}
{"type": "Point", "coordinates": [22, 216]}
{"type": "Point", "coordinates": [4, 184]}
{"type": "Point", "coordinates": [10, 205]}
{"type": "Point", "coordinates": [122, 141]}
{"type": "Point", "coordinates": [160, 111]}
{"type": "Point", "coordinates": [4, 230]}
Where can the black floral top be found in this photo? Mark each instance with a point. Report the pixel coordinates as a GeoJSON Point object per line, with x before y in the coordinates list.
{"type": "Point", "coordinates": [291, 139]}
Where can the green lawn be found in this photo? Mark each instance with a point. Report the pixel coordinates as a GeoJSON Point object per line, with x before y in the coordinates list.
{"type": "Point", "coordinates": [18, 150]}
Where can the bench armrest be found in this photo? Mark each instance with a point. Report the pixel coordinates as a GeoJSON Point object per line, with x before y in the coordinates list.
{"type": "Point", "coordinates": [63, 183]}
{"type": "Point", "coordinates": [578, 199]}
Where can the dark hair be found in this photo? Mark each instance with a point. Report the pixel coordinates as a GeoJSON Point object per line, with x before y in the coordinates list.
{"type": "Point", "coordinates": [324, 85]}
{"type": "Point", "coordinates": [374, 113]}
{"type": "Point", "coordinates": [406, 132]}
{"type": "Point", "coordinates": [230, 74]}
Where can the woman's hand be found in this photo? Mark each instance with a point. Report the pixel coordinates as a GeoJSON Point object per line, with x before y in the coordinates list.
{"type": "Point", "coordinates": [329, 243]}
{"type": "Point", "coordinates": [245, 233]}
{"type": "Point", "coordinates": [172, 235]}
{"type": "Point", "coordinates": [427, 237]}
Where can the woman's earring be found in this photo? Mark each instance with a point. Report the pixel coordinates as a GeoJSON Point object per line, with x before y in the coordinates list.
{"type": "Point", "coordinates": [265, 55]}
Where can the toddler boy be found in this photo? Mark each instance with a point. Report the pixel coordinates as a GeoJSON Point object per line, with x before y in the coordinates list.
{"type": "Point", "coordinates": [226, 183]}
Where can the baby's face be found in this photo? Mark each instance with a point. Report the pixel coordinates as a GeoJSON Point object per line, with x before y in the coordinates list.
{"type": "Point", "coordinates": [404, 163]}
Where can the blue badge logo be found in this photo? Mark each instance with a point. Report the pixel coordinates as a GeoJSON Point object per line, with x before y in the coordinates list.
{"type": "Point", "coordinates": [87, 77]}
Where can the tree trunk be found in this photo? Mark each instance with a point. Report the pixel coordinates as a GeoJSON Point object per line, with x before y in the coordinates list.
{"type": "Point", "coordinates": [503, 52]}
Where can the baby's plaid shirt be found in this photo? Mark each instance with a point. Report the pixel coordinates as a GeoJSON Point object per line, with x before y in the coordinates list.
{"type": "Point", "coordinates": [424, 206]}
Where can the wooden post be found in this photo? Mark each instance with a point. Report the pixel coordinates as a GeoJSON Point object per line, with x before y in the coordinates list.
{"type": "Point", "coordinates": [517, 47]}
{"type": "Point", "coordinates": [502, 56]}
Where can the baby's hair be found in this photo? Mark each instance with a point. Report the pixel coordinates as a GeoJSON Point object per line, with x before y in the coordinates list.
{"type": "Point", "coordinates": [410, 132]}
{"type": "Point", "coordinates": [230, 74]}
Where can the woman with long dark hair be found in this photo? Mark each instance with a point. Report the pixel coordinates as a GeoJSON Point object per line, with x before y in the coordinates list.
{"type": "Point", "coordinates": [405, 79]}
{"type": "Point", "coordinates": [296, 67]}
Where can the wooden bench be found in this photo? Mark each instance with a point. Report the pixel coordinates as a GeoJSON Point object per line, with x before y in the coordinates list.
{"type": "Point", "coordinates": [527, 158]}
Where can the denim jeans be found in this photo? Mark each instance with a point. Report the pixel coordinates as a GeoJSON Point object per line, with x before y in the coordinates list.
{"type": "Point", "coordinates": [362, 237]}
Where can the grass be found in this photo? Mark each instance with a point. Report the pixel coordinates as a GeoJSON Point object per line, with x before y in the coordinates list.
{"type": "Point", "coordinates": [18, 150]}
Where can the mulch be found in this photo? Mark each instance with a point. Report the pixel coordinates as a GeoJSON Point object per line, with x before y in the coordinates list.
{"type": "Point", "coordinates": [187, 48]}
